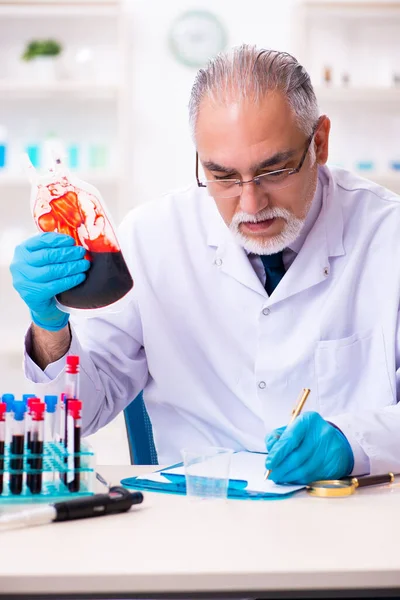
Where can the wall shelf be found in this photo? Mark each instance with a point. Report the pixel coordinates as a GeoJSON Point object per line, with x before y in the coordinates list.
{"type": "Point", "coordinates": [50, 10]}
{"type": "Point", "coordinates": [362, 9]}
{"type": "Point", "coordinates": [358, 94]}
{"type": "Point", "coordinates": [93, 177]}
{"type": "Point", "coordinates": [70, 89]}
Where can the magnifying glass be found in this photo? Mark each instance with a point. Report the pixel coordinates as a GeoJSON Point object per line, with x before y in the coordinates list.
{"type": "Point", "coordinates": [339, 488]}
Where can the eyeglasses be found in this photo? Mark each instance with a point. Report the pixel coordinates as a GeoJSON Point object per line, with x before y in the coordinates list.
{"type": "Point", "coordinates": [268, 182]}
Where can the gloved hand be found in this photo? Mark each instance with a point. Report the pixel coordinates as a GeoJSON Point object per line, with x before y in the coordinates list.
{"type": "Point", "coordinates": [308, 450]}
{"type": "Point", "coordinates": [43, 266]}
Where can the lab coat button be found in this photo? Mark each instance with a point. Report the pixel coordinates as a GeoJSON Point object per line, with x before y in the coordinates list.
{"type": "Point", "coordinates": [266, 311]}
{"type": "Point", "coordinates": [262, 385]}
{"type": "Point", "coordinates": [218, 262]}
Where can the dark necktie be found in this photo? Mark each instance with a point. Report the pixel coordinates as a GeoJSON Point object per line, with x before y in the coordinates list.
{"type": "Point", "coordinates": [274, 270]}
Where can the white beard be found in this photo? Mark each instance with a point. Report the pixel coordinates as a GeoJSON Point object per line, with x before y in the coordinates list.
{"type": "Point", "coordinates": [290, 232]}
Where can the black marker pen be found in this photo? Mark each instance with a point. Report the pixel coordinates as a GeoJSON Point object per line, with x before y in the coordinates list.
{"type": "Point", "coordinates": [118, 500]}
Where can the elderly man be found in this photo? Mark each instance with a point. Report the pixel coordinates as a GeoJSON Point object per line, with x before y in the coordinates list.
{"type": "Point", "coordinates": [273, 273]}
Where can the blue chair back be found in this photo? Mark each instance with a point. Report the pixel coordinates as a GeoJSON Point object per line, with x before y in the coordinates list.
{"type": "Point", "coordinates": [140, 433]}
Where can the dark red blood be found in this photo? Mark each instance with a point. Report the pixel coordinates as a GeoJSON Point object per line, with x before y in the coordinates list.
{"type": "Point", "coordinates": [107, 281]}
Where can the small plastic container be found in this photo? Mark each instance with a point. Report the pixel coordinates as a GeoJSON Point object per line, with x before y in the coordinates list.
{"type": "Point", "coordinates": [207, 472]}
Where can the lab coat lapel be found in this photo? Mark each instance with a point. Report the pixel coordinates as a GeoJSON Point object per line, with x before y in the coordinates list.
{"type": "Point", "coordinates": [325, 241]}
{"type": "Point", "coordinates": [236, 264]}
{"type": "Point", "coordinates": [309, 268]}
{"type": "Point", "coordinates": [230, 257]}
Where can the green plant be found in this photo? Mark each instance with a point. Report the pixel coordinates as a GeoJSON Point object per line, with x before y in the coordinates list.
{"type": "Point", "coordinates": [41, 48]}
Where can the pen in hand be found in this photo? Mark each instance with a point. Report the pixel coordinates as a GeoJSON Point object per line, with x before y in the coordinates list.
{"type": "Point", "coordinates": [295, 413]}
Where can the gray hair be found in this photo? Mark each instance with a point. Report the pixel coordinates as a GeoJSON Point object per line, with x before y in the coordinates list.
{"type": "Point", "coordinates": [247, 71]}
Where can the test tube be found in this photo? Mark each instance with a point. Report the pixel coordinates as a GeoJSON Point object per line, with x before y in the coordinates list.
{"type": "Point", "coordinates": [50, 418]}
{"type": "Point", "coordinates": [17, 447]}
{"type": "Point", "coordinates": [9, 401]}
{"type": "Point", "coordinates": [71, 386]}
{"type": "Point", "coordinates": [3, 408]}
{"type": "Point", "coordinates": [62, 425]}
{"type": "Point", "coordinates": [71, 381]}
{"type": "Point", "coordinates": [74, 420]}
{"type": "Point", "coordinates": [61, 420]}
{"type": "Point", "coordinates": [37, 435]}
{"type": "Point", "coordinates": [28, 424]}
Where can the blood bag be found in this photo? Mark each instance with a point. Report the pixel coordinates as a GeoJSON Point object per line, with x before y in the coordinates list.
{"type": "Point", "coordinates": [62, 203]}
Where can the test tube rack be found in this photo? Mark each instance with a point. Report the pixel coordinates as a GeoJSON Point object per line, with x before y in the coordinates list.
{"type": "Point", "coordinates": [59, 468]}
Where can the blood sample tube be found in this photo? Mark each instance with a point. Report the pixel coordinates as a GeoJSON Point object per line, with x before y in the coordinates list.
{"type": "Point", "coordinates": [71, 381]}
{"type": "Point", "coordinates": [31, 400]}
{"type": "Point", "coordinates": [71, 384]}
{"type": "Point", "coordinates": [71, 387]}
{"type": "Point", "coordinates": [37, 435]}
{"type": "Point", "coordinates": [9, 400]}
{"type": "Point", "coordinates": [28, 425]}
{"type": "Point", "coordinates": [74, 422]}
{"type": "Point", "coordinates": [3, 408]}
{"type": "Point", "coordinates": [61, 420]}
{"type": "Point", "coordinates": [17, 447]}
{"type": "Point", "coordinates": [50, 418]}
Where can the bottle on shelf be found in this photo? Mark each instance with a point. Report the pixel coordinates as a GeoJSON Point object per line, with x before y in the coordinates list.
{"type": "Point", "coordinates": [73, 158]}
{"type": "Point", "coordinates": [98, 157]}
{"type": "Point", "coordinates": [3, 147]}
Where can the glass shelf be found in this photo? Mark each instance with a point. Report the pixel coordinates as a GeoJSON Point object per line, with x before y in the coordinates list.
{"type": "Point", "coordinates": [66, 89]}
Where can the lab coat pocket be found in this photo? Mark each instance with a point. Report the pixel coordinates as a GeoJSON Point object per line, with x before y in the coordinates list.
{"type": "Point", "coordinates": [352, 373]}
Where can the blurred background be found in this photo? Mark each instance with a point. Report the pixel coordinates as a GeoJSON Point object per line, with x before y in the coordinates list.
{"type": "Point", "coordinates": [110, 81]}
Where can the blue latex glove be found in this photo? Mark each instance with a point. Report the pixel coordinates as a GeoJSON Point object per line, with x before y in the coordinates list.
{"type": "Point", "coordinates": [43, 266]}
{"type": "Point", "coordinates": [308, 450]}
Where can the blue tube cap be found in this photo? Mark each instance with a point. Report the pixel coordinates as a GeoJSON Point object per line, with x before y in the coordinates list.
{"type": "Point", "coordinates": [51, 403]}
{"type": "Point", "coordinates": [19, 410]}
{"type": "Point", "coordinates": [26, 397]}
{"type": "Point", "coordinates": [9, 400]}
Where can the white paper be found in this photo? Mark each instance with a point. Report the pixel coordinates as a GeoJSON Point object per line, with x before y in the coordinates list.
{"type": "Point", "coordinates": [247, 466]}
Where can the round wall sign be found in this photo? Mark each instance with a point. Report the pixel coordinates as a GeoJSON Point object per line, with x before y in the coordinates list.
{"type": "Point", "coordinates": [196, 36]}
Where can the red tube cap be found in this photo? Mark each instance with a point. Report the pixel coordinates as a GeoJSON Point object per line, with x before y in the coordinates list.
{"type": "Point", "coordinates": [74, 408]}
{"type": "Point", "coordinates": [3, 409]}
{"type": "Point", "coordinates": [37, 410]}
{"type": "Point", "coordinates": [72, 365]}
{"type": "Point", "coordinates": [32, 401]}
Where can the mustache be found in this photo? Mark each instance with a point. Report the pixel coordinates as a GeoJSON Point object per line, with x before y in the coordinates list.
{"type": "Point", "coordinates": [264, 215]}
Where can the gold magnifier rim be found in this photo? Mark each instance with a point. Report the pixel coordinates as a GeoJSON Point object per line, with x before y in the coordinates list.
{"type": "Point", "coordinates": [331, 488]}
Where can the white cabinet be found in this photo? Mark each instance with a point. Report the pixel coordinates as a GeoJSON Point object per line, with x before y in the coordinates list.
{"type": "Point", "coordinates": [81, 100]}
{"type": "Point", "coordinates": [352, 52]}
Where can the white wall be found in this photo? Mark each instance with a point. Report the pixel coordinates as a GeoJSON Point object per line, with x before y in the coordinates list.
{"type": "Point", "coordinates": [162, 150]}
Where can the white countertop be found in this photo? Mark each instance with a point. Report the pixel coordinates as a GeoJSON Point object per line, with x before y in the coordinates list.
{"type": "Point", "coordinates": [170, 544]}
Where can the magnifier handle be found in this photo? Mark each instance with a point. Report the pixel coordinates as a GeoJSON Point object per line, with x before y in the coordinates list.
{"type": "Point", "coordinates": [372, 480]}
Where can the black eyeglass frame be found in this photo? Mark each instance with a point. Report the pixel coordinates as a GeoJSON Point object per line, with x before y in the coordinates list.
{"type": "Point", "coordinates": [256, 179]}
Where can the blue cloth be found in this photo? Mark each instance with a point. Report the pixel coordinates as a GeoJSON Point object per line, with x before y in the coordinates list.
{"type": "Point", "coordinates": [140, 433]}
{"type": "Point", "coordinates": [274, 270]}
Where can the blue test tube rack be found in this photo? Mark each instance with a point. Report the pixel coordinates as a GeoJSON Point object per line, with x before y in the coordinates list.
{"type": "Point", "coordinates": [58, 468]}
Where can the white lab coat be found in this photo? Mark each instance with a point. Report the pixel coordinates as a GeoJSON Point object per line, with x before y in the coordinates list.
{"type": "Point", "coordinates": [221, 362]}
